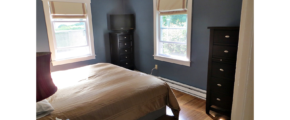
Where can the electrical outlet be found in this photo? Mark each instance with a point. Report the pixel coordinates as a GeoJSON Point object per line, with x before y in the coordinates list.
{"type": "Point", "coordinates": [156, 66]}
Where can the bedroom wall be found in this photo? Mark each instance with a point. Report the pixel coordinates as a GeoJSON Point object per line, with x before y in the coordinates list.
{"type": "Point", "coordinates": [205, 13]}
{"type": "Point", "coordinates": [100, 9]}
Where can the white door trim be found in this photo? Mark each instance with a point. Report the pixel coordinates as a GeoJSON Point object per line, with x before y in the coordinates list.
{"type": "Point", "coordinates": [242, 108]}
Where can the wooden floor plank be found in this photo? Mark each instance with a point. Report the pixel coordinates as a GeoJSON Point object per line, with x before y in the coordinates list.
{"type": "Point", "coordinates": [192, 108]}
{"type": "Point", "coordinates": [178, 94]}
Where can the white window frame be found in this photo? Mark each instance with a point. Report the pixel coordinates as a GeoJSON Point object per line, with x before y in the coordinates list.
{"type": "Point", "coordinates": [51, 37]}
{"type": "Point", "coordinates": [156, 19]}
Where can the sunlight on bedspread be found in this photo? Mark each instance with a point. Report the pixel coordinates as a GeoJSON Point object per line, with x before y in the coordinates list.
{"type": "Point", "coordinates": [68, 78]}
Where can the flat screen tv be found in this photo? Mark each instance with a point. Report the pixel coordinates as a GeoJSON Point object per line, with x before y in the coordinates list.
{"type": "Point", "coordinates": [121, 22]}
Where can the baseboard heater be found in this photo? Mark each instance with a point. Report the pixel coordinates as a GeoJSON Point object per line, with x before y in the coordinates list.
{"type": "Point", "coordinates": [185, 88]}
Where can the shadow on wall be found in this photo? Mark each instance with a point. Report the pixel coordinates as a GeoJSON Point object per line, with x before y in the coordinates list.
{"type": "Point", "coordinates": [136, 50]}
{"type": "Point", "coordinates": [107, 46]}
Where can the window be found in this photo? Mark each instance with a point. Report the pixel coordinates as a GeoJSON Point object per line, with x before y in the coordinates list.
{"type": "Point", "coordinates": [172, 28]}
{"type": "Point", "coordinates": [69, 30]}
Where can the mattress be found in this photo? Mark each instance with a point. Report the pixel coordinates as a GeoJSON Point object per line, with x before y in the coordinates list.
{"type": "Point", "coordinates": [105, 91]}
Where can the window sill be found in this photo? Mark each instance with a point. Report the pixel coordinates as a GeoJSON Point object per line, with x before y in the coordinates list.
{"type": "Point", "coordinates": [61, 62]}
{"type": "Point", "coordinates": [172, 60]}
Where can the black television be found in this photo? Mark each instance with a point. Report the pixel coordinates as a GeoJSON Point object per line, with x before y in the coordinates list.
{"type": "Point", "coordinates": [121, 22]}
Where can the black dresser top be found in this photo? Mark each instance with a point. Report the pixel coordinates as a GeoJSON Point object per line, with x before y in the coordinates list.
{"type": "Point", "coordinates": [229, 28]}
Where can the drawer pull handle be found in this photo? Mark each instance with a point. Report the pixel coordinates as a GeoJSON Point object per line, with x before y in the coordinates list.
{"type": "Point", "coordinates": [125, 50]}
{"type": "Point", "coordinates": [226, 51]}
{"type": "Point", "coordinates": [126, 56]}
{"type": "Point", "coordinates": [125, 37]}
{"type": "Point", "coordinates": [125, 44]}
{"type": "Point", "coordinates": [219, 85]}
{"type": "Point", "coordinates": [126, 63]}
{"type": "Point", "coordinates": [221, 69]}
{"type": "Point", "coordinates": [227, 36]}
{"type": "Point", "coordinates": [221, 59]}
{"type": "Point", "coordinates": [218, 99]}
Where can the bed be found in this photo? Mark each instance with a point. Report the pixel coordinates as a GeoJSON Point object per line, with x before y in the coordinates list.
{"type": "Point", "coordinates": [105, 91]}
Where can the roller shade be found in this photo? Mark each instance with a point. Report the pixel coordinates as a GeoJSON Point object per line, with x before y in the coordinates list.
{"type": "Point", "coordinates": [67, 10]}
{"type": "Point", "coordinates": [170, 7]}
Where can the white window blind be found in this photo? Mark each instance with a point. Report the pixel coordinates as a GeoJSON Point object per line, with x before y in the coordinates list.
{"type": "Point", "coordinates": [67, 10]}
{"type": "Point", "coordinates": [170, 7]}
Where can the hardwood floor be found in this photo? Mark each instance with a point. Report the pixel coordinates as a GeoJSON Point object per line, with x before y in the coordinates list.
{"type": "Point", "coordinates": [192, 108]}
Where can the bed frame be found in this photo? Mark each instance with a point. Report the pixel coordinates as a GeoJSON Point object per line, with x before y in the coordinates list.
{"type": "Point", "coordinates": [154, 115]}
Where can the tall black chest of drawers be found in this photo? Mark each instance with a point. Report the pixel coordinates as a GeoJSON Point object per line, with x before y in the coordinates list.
{"type": "Point", "coordinates": [221, 69]}
{"type": "Point", "coordinates": [122, 49]}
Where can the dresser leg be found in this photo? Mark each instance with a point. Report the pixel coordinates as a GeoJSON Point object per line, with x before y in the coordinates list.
{"type": "Point", "coordinates": [207, 110]}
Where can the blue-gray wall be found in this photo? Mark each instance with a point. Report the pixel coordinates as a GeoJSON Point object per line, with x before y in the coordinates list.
{"type": "Point", "coordinates": [205, 13]}
{"type": "Point", "coordinates": [100, 9]}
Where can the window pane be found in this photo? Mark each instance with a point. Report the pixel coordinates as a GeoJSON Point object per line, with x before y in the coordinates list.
{"type": "Point", "coordinates": [172, 49]}
{"type": "Point", "coordinates": [173, 35]}
{"type": "Point", "coordinates": [174, 21]}
{"type": "Point", "coordinates": [72, 52]}
{"type": "Point", "coordinates": [70, 34]}
{"type": "Point", "coordinates": [173, 28]}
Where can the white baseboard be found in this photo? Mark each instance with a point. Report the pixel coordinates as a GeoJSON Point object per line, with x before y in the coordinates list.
{"type": "Point", "coordinates": [185, 88]}
{"type": "Point", "coordinates": [196, 92]}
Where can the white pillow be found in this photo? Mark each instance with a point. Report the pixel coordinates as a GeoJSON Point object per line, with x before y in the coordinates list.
{"type": "Point", "coordinates": [43, 108]}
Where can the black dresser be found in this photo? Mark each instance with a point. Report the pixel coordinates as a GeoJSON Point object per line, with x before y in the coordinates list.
{"type": "Point", "coordinates": [122, 49]}
{"type": "Point", "coordinates": [221, 70]}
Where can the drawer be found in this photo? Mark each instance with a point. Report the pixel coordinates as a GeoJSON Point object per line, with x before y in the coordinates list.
{"type": "Point", "coordinates": [125, 50]}
{"type": "Point", "coordinates": [224, 86]}
{"type": "Point", "coordinates": [229, 37]}
{"type": "Point", "coordinates": [224, 60]}
{"type": "Point", "coordinates": [125, 37]}
{"type": "Point", "coordinates": [126, 57]}
{"type": "Point", "coordinates": [224, 51]}
{"type": "Point", "coordinates": [126, 63]}
{"type": "Point", "coordinates": [125, 44]}
{"type": "Point", "coordinates": [221, 100]}
{"type": "Point", "coordinates": [223, 70]}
